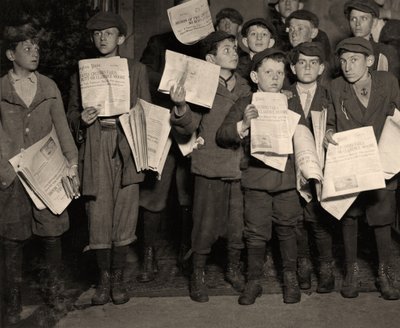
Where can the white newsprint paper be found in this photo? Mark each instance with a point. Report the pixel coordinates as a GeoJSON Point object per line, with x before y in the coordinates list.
{"type": "Point", "coordinates": [318, 119]}
{"type": "Point", "coordinates": [105, 85]}
{"type": "Point", "coordinates": [353, 165]}
{"type": "Point", "coordinates": [337, 206]}
{"type": "Point", "coordinates": [389, 146]}
{"type": "Point", "coordinates": [147, 129]}
{"type": "Point", "coordinates": [41, 168]}
{"type": "Point", "coordinates": [200, 78]}
{"type": "Point", "coordinates": [191, 21]}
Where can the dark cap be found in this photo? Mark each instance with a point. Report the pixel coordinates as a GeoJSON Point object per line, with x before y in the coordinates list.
{"type": "Point", "coordinates": [308, 49]}
{"type": "Point", "coordinates": [208, 43]}
{"type": "Point", "coordinates": [105, 19]}
{"type": "Point", "coordinates": [355, 44]}
{"type": "Point", "coordinates": [303, 15]}
{"type": "Point", "coordinates": [258, 21]}
{"type": "Point", "coordinates": [258, 57]}
{"type": "Point", "coordinates": [366, 6]}
{"type": "Point", "coordinates": [231, 14]}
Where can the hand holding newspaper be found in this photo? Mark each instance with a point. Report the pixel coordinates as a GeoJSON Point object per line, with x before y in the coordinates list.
{"type": "Point", "coordinates": [44, 172]}
{"type": "Point", "coordinates": [105, 85]}
{"type": "Point", "coordinates": [191, 21]}
{"type": "Point", "coordinates": [200, 78]}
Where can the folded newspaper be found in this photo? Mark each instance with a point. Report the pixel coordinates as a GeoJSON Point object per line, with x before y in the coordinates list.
{"type": "Point", "coordinates": [42, 169]}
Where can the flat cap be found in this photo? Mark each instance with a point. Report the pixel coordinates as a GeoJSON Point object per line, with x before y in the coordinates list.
{"type": "Point", "coordinates": [308, 49]}
{"type": "Point", "coordinates": [366, 6]}
{"type": "Point", "coordinates": [258, 21]}
{"type": "Point", "coordinates": [258, 57]}
{"type": "Point", "coordinates": [208, 42]}
{"type": "Point", "coordinates": [355, 44]}
{"type": "Point", "coordinates": [303, 15]}
{"type": "Point", "coordinates": [106, 19]}
{"type": "Point", "coordinates": [230, 13]}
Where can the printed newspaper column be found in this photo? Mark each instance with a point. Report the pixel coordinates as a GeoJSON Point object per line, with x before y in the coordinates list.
{"type": "Point", "coordinates": [351, 167]}
{"type": "Point", "coordinates": [191, 21]}
{"type": "Point", "coordinates": [105, 85]}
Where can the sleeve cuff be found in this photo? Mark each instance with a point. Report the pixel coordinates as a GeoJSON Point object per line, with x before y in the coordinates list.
{"type": "Point", "coordinates": [242, 133]}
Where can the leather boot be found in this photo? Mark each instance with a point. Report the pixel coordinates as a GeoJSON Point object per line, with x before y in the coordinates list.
{"type": "Point", "coordinates": [291, 290]}
{"type": "Point", "coordinates": [304, 269]}
{"type": "Point", "coordinates": [233, 275]}
{"type": "Point", "coordinates": [53, 291]}
{"type": "Point", "coordinates": [102, 293]}
{"type": "Point", "coordinates": [385, 283]}
{"type": "Point", "coordinates": [198, 289]}
{"type": "Point", "coordinates": [13, 304]}
{"type": "Point", "coordinates": [149, 266]}
{"type": "Point", "coordinates": [350, 283]}
{"type": "Point", "coordinates": [119, 294]}
{"type": "Point", "coordinates": [326, 281]}
{"type": "Point", "coordinates": [251, 291]}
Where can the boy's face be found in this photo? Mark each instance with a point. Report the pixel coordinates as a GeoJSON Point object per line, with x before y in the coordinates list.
{"type": "Point", "coordinates": [286, 7]}
{"type": "Point", "coordinates": [301, 31]}
{"type": "Point", "coordinates": [269, 76]}
{"type": "Point", "coordinates": [226, 25]}
{"type": "Point", "coordinates": [25, 56]}
{"type": "Point", "coordinates": [361, 23]}
{"type": "Point", "coordinates": [226, 56]}
{"type": "Point", "coordinates": [308, 68]}
{"type": "Point", "coordinates": [258, 39]}
{"type": "Point", "coordinates": [355, 65]}
{"type": "Point", "coordinates": [107, 41]}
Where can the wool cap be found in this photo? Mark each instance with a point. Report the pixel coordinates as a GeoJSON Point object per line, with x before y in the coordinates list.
{"type": "Point", "coordinates": [366, 6]}
{"type": "Point", "coordinates": [231, 14]}
{"type": "Point", "coordinates": [258, 21]}
{"type": "Point", "coordinates": [355, 44]}
{"type": "Point", "coordinates": [258, 57]}
{"type": "Point", "coordinates": [308, 49]}
{"type": "Point", "coordinates": [303, 15]}
{"type": "Point", "coordinates": [106, 19]}
{"type": "Point", "coordinates": [208, 42]}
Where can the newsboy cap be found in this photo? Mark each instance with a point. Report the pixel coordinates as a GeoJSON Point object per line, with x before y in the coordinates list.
{"type": "Point", "coordinates": [231, 14]}
{"type": "Point", "coordinates": [308, 49]}
{"type": "Point", "coordinates": [106, 19]}
{"type": "Point", "coordinates": [209, 41]}
{"type": "Point", "coordinates": [258, 57]}
{"type": "Point", "coordinates": [258, 21]}
{"type": "Point", "coordinates": [355, 44]}
{"type": "Point", "coordinates": [303, 15]}
{"type": "Point", "coordinates": [366, 6]}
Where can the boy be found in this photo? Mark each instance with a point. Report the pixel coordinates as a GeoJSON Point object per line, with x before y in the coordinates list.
{"type": "Point", "coordinates": [363, 17]}
{"type": "Point", "coordinates": [307, 64]}
{"type": "Point", "coordinates": [217, 199]}
{"type": "Point", "coordinates": [257, 35]}
{"type": "Point", "coordinates": [110, 181]}
{"type": "Point", "coordinates": [269, 195]}
{"type": "Point", "coordinates": [364, 98]}
{"type": "Point", "coordinates": [30, 106]}
{"type": "Point", "coordinates": [228, 20]}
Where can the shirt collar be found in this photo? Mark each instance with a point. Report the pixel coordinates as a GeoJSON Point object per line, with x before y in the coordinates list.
{"type": "Point", "coordinates": [301, 90]}
{"type": "Point", "coordinates": [15, 78]}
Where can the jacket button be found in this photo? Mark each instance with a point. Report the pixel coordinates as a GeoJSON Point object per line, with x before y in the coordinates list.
{"type": "Point", "coordinates": [4, 183]}
{"type": "Point", "coordinates": [26, 130]}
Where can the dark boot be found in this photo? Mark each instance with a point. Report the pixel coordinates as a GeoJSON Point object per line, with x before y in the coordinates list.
{"type": "Point", "coordinates": [385, 283]}
{"type": "Point", "coordinates": [149, 266]}
{"type": "Point", "coordinates": [350, 283]}
{"type": "Point", "coordinates": [251, 291]}
{"type": "Point", "coordinates": [291, 290]}
{"type": "Point", "coordinates": [53, 291]}
{"type": "Point", "coordinates": [233, 275]}
{"type": "Point", "coordinates": [13, 302]}
{"type": "Point", "coordinates": [183, 260]}
{"type": "Point", "coordinates": [119, 294]}
{"type": "Point", "coordinates": [326, 281]}
{"type": "Point", "coordinates": [103, 289]}
{"type": "Point", "coordinates": [304, 269]}
{"type": "Point", "coordinates": [198, 288]}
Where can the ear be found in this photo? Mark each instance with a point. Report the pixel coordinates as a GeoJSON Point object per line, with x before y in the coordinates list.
{"type": "Point", "coordinates": [321, 68]}
{"type": "Point", "coordinates": [210, 58]}
{"type": "Point", "coordinates": [271, 43]}
{"type": "Point", "coordinates": [370, 60]}
{"type": "Point", "coordinates": [121, 39]}
{"type": "Point", "coordinates": [293, 69]}
{"type": "Point", "coordinates": [245, 42]}
{"type": "Point", "coordinates": [301, 5]}
{"type": "Point", "coordinates": [254, 76]}
{"type": "Point", "coordinates": [314, 33]}
{"type": "Point", "coordinates": [277, 7]}
{"type": "Point", "coordinates": [10, 55]}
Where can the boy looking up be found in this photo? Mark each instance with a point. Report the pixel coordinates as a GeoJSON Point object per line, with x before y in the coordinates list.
{"type": "Point", "coordinates": [217, 199]}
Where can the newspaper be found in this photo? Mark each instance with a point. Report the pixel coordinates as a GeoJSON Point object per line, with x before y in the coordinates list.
{"type": "Point", "coordinates": [337, 206]}
{"type": "Point", "coordinates": [353, 165]}
{"type": "Point", "coordinates": [147, 129]}
{"type": "Point", "coordinates": [186, 144]}
{"type": "Point", "coordinates": [41, 169]}
{"type": "Point", "coordinates": [191, 21]}
{"type": "Point", "coordinates": [105, 85]}
{"type": "Point", "coordinates": [318, 119]}
{"type": "Point", "coordinates": [200, 78]}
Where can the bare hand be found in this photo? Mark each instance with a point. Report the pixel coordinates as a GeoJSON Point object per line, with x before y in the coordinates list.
{"type": "Point", "coordinates": [73, 183]}
{"type": "Point", "coordinates": [329, 139]}
{"type": "Point", "coordinates": [89, 115]}
{"type": "Point", "coordinates": [250, 113]}
{"type": "Point", "coordinates": [178, 94]}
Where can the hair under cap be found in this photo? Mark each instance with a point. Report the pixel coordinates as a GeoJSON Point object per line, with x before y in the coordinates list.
{"type": "Point", "coordinates": [231, 14]}
{"type": "Point", "coordinates": [258, 57]}
{"type": "Point", "coordinates": [303, 15]}
{"type": "Point", "coordinates": [355, 44]}
{"type": "Point", "coordinates": [105, 19]}
{"type": "Point", "coordinates": [366, 6]}
{"type": "Point", "coordinates": [258, 21]}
